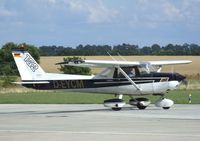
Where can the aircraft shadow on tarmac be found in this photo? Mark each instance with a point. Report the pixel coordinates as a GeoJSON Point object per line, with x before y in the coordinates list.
{"type": "Point", "coordinates": [53, 112]}
{"type": "Point", "coordinates": [88, 110]}
{"type": "Point", "coordinates": [76, 111]}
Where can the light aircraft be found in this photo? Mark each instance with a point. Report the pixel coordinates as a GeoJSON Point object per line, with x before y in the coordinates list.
{"type": "Point", "coordinates": [132, 78]}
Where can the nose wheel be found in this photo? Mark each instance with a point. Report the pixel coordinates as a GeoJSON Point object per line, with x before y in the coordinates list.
{"type": "Point", "coordinates": [164, 103]}
{"type": "Point", "coordinates": [166, 108]}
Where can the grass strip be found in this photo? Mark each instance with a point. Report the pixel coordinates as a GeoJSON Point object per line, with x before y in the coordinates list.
{"type": "Point", "coordinates": [178, 96]}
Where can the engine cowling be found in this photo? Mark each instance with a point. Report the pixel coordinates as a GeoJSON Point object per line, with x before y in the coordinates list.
{"type": "Point", "coordinates": [115, 104]}
{"type": "Point", "coordinates": [164, 103]}
{"type": "Point", "coordinates": [141, 103]}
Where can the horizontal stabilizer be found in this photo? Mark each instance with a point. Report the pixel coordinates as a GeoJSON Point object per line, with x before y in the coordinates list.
{"type": "Point", "coordinates": [32, 82]}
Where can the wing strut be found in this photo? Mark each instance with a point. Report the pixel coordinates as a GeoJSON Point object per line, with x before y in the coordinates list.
{"type": "Point", "coordinates": [129, 79]}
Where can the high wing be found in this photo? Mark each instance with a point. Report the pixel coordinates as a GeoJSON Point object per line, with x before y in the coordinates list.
{"type": "Point", "coordinates": [105, 63]}
{"type": "Point", "coordinates": [100, 63]}
{"type": "Point", "coordinates": [170, 62]}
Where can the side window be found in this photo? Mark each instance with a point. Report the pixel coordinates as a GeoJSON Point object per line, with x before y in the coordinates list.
{"type": "Point", "coordinates": [130, 71]}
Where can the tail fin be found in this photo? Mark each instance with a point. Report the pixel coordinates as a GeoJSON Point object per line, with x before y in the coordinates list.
{"type": "Point", "coordinates": [28, 68]}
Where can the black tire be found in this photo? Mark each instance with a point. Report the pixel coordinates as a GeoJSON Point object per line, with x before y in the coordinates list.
{"type": "Point", "coordinates": [141, 107]}
{"type": "Point", "coordinates": [165, 108]}
{"type": "Point", "coordinates": [116, 108]}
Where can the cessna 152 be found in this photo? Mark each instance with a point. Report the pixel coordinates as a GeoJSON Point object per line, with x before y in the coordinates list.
{"type": "Point", "coordinates": [119, 78]}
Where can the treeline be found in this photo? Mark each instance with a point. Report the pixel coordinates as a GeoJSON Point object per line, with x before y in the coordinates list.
{"type": "Point", "coordinates": [95, 50]}
{"type": "Point", "coordinates": [123, 49]}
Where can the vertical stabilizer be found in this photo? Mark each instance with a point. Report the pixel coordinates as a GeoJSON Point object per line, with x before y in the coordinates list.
{"type": "Point", "coordinates": [28, 68]}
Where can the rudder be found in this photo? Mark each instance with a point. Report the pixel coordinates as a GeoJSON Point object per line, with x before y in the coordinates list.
{"type": "Point", "coordinates": [28, 68]}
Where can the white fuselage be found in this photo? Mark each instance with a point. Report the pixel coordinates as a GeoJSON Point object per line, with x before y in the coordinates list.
{"type": "Point", "coordinates": [129, 89]}
{"type": "Point", "coordinates": [146, 89]}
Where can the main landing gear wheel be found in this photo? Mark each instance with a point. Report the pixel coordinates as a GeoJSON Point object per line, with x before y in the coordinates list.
{"type": "Point", "coordinates": [115, 104]}
{"type": "Point", "coordinates": [116, 109]}
{"type": "Point", "coordinates": [141, 103]}
{"type": "Point", "coordinates": [166, 108]}
{"type": "Point", "coordinates": [141, 107]}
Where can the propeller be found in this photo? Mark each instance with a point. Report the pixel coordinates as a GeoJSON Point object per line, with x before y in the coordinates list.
{"type": "Point", "coordinates": [186, 83]}
{"type": "Point", "coordinates": [183, 81]}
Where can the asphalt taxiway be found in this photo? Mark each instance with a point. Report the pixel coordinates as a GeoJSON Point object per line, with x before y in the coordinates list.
{"type": "Point", "coordinates": [96, 123]}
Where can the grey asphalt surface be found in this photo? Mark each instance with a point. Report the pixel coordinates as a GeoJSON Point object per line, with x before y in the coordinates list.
{"type": "Point", "coordinates": [93, 122]}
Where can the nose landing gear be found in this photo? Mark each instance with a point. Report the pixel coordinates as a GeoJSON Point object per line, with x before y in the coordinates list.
{"type": "Point", "coordinates": [164, 103]}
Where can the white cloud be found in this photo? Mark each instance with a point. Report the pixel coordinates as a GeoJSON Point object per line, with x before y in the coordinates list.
{"type": "Point", "coordinates": [76, 5]}
{"type": "Point", "coordinates": [157, 13]}
{"type": "Point", "coordinates": [95, 11]}
{"type": "Point", "coordinates": [171, 11]}
{"type": "Point", "coordinates": [101, 13]}
{"type": "Point", "coordinates": [52, 2]}
{"type": "Point", "coordinates": [5, 13]}
{"type": "Point", "coordinates": [190, 10]}
{"type": "Point", "coordinates": [160, 10]}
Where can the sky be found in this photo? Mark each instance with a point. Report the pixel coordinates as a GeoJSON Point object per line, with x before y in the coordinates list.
{"type": "Point", "coordinates": [112, 22]}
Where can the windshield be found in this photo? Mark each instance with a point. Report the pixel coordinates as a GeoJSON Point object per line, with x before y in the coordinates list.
{"type": "Point", "coordinates": [146, 68]}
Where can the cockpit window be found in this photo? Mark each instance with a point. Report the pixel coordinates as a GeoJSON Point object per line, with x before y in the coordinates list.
{"type": "Point", "coordinates": [130, 71]}
{"type": "Point", "coordinates": [146, 68]}
{"type": "Point", "coordinates": [135, 71]}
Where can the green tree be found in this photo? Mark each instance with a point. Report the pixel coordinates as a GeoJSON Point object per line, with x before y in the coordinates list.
{"type": "Point", "coordinates": [146, 51]}
{"type": "Point", "coordinates": [74, 70]}
{"type": "Point", "coordinates": [8, 66]}
{"type": "Point", "coordinates": [195, 49]}
{"type": "Point", "coordinates": [155, 49]}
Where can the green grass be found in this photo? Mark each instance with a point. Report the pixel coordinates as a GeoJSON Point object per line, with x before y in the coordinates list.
{"type": "Point", "coordinates": [179, 97]}
{"type": "Point", "coordinates": [51, 98]}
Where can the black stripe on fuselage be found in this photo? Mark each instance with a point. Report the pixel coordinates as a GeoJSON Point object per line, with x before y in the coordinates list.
{"type": "Point", "coordinates": [92, 83]}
